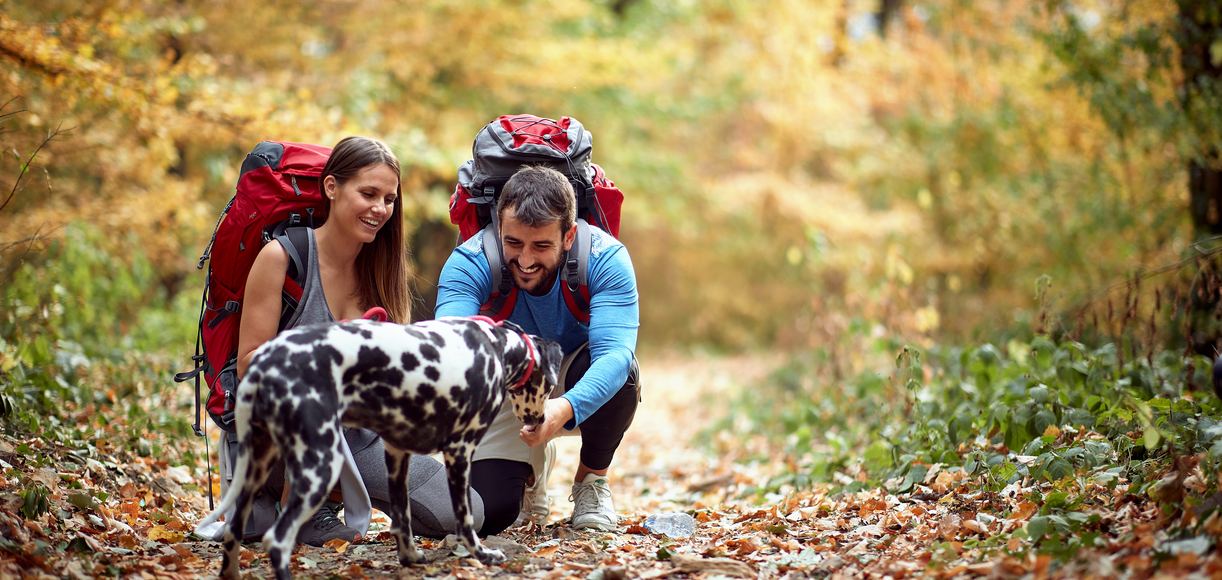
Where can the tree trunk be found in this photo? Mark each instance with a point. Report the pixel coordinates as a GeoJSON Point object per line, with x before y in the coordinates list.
{"type": "Point", "coordinates": [887, 10]}
{"type": "Point", "coordinates": [1199, 23]}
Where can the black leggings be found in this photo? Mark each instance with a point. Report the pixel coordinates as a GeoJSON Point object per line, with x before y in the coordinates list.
{"type": "Point", "coordinates": [602, 432]}
{"type": "Point", "coordinates": [500, 483]}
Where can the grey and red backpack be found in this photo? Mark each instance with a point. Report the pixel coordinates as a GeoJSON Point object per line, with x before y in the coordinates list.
{"type": "Point", "coordinates": [501, 148]}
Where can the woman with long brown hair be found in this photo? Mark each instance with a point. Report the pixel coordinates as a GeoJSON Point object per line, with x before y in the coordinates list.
{"type": "Point", "coordinates": [355, 260]}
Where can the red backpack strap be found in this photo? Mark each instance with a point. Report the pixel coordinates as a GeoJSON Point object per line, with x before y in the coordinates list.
{"type": "Point", "coordinates": [576, 287]}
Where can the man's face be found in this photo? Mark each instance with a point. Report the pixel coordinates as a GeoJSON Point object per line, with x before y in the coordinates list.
{"type": "Point", "coordinates": [533, 254]}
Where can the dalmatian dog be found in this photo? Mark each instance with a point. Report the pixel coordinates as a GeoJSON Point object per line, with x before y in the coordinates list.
{"type": "Point", "coordinates": [429, 387]}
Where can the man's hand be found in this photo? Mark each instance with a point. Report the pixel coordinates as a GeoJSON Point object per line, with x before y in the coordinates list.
{"type": "Point", "coordinates": [556, 412]}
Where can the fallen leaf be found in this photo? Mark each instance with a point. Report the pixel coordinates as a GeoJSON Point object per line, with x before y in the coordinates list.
{"type": "Point", "coordinates": [712, 566]}
{"type": "Point", "coordinates": [948, 526]}
{"type": "Point", "coordinates": [742, 546]}
{"type": "Point", "coordinates": [338, 544]}
{"type": "Point", "coordinates": [165, 535]}
{"type": "Point", "coordinates": [1023, 511]}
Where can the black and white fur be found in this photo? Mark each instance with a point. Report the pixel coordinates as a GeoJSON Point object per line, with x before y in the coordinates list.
{"type": "Point", "coordinates": [429, 387]}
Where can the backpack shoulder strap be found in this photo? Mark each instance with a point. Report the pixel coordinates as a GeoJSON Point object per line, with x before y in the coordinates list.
{"type": "Point", "coordinates": [504, 293]}
{"type": "Point", "coordinates": [296, 243]}
{"type": "Point", "coordinates": [576, 287]}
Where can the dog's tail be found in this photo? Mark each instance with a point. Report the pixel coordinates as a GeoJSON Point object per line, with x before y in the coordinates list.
{"type": "Point", "coordinates": [242, 413]}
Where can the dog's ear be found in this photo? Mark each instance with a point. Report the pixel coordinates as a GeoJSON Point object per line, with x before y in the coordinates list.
{"type": "Point", "coordinates": [552, 353]}
{"type": "Point", "coordinates": [513, 327]}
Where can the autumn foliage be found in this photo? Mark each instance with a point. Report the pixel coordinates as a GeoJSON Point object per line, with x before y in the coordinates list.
{"type": "Point", "coordinates": [984, 235]}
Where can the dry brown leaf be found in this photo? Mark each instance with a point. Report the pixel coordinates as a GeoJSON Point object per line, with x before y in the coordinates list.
{"type": "Point", "coordinates": [871, 506]}
{"type": "Point", "coordinates": [1024, 511]}
{"type": "Point", "coordinates": [722, 566]}
{"type": "Point", "coordinates": [784, 545]}
{"type": "Point", "coordinates": [742, 546]}
{"type": "Point", "coordinates": [982, 568]}
{"type": "Point", "coordinates": [755, 515]}
{"type": "Point", "coordinates": [948, 526]}
{"type": "Point", "coordinates": [338, 544]}
{"type": "Point", "coordinates": [953, 571]}
{"type": "Point", "coordinates": [975, 526]}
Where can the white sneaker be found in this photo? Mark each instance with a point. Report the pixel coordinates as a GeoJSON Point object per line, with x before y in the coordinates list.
{"type": "Point", "coordinates": [592, 506]}
{"type": "Point", "coordinates": [536, 504]}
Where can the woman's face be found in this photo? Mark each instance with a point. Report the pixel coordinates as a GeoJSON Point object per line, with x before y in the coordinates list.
{"type": "Point", "coordinates": [363, 204]}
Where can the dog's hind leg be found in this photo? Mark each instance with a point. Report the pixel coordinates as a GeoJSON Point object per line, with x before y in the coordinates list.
{"type": "Point", "coordinates": [458, 468]}
{"type": "Point", "coordinates": [312, 462]}
{"type": "Point", "coordinates": [398, 463]}
{"type": "Point", "coordinates": [257, 448]}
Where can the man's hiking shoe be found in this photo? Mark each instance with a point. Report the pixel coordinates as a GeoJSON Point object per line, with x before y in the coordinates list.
{"type": "Point", "coordinates": [592, 507]}
{"type": "Point", "coordinates": [536, 504]}
{"type": "Point", "coordinates": [326, 525]}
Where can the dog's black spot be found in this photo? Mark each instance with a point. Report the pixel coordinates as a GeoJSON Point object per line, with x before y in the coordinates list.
{"type": "Point", "coordinates": [427, 393]}
{"type": "Point", "coordinates": [369, 360]}
{"type": "Point", "coordinates": [409, 362]}
{"type": "Point", "coordinates": [432, 373]}
{"type": "Point", "coordinates": [360, 331]}
{"type": "Point", "coordinates": [472, 337]}
{"type": "Point", "coordinates": [430, 352]}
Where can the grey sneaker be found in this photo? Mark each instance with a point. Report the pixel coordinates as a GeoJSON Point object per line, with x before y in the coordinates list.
{"type": "Point", "coordinates": [592, 507]}
{"type": "Point", "coordinates": [536, 504]}
{"type": "Point", "coordinates": [326, 525]}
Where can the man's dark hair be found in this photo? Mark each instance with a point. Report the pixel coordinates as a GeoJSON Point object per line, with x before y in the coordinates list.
{"type": "Point", "coordinates": [539, 196]}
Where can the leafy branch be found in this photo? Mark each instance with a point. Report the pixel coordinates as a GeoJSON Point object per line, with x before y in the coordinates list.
{"type": "Point", "coordinates": [25, 167]}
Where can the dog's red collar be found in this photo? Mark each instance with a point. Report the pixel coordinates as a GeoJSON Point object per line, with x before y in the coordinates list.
{"type": "Point", "coordinates": [530, 363]}
{"type": "Point", "coordinates": [531, 353]}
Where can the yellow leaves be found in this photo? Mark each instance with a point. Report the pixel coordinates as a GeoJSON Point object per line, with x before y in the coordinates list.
{"type": "Point", "coordinates": [165, 535]}
{"type": "Point", "coordinates": [897, 269]}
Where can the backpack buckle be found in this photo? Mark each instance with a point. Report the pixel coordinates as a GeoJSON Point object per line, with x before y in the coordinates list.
{"type": "Point", "coordinates": [570, 273]}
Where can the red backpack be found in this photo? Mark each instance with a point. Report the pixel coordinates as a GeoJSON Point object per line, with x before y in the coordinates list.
{"type": "Point", "coordinates": [278, 189]}
{"type": "Point", "coordinates": [500, 149]}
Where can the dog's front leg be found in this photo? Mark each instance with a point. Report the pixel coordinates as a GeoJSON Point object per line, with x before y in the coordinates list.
{"type": "Point", "coordinates": [398, 462]}
{"type": "Point", "coordinates": [458, 468]}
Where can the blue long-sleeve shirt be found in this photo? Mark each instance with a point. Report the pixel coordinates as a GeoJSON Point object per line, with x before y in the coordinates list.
{"type": "Point", "coordinates": [466, 283]}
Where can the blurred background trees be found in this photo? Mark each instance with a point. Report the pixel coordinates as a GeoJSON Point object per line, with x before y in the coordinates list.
{"type": "Point", "coordinates": [793, 169]}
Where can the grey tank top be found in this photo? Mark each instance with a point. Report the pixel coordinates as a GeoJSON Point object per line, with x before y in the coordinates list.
{"type": "Point", "coordinates": [313, 308]}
